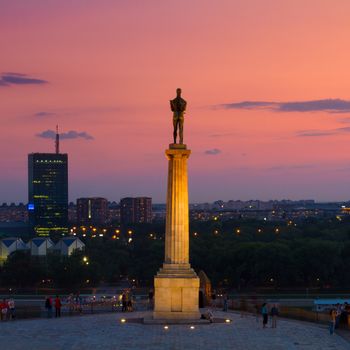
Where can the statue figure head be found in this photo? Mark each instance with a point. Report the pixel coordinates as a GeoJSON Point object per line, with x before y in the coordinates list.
{"type": "Point", "coordinates": [178, 92]}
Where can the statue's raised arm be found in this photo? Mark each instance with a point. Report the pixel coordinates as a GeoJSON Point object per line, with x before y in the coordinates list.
{"type": "Point", "coordinates": [178, 107]}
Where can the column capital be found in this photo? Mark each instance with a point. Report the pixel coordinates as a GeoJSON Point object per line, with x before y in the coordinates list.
{"type": "Point", "coordinates": [177, 153]}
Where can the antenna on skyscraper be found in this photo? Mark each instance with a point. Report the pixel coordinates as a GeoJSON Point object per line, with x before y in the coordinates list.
{"type": "Point", "coordinates": [57, 143]}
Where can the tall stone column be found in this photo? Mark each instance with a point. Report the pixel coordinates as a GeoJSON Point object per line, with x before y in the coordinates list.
{"type": "Point", "coordinates": [176, 284]}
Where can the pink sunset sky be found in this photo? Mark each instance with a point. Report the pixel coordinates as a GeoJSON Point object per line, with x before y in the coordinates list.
{"type": "Point", "coordinates": [267, 85]}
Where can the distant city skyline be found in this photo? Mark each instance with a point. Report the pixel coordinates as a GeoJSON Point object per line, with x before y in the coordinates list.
{"type": "Point", "coordinates": [267, 85]}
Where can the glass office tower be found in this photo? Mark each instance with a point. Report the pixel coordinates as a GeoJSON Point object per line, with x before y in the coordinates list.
{"type": "Point", "coordinates": [48, 193]}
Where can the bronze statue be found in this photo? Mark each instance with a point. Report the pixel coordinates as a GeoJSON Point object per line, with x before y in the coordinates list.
{"type": "Point", "coordinates": [178, 106]}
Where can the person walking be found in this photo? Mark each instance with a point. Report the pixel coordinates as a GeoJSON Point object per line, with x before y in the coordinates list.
{"type": "Point", "coordinates": [347, 311]}
{"type": "Point", "coordinates": [213, 299]}
{"type": "Point", "coordinates": [58, 306]}
{"type": "Point", "coordinates": [78, 303]}
{"type": "Point", "coordinates": [3, 310]}
{"type": "Point", "coordinates": [48, 306]}
{"type": "Point", "coordinates": [150, 299]}
{"type": "Point", "coordinates": [130, 302]}
{"type": "Point", "coordinates": [225, 303]}
{"type": "Point", "coordinates": [274, 314]}
{"type": "Point", "coordinates": [332, 320]}
{"type": "Point", "coordinates": [264, 313]}
{"type": "Point", "coordinates": [338, 312]}
{"type": "Point", "coordinates": [124, 302]}
{"type": "Point", "coordinates": [12, 309]}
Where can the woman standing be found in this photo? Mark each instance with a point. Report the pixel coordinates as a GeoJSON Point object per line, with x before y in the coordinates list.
{"type": "Point", "coordinates": [58, 306]}
{"type": "Point", "coordinates": [264, 313]}
{"type": "Point", "coordinates": [332, 320]}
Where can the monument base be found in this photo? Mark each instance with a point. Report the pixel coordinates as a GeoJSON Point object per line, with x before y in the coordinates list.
{"type": "Point", "coordinates": [176, 293]}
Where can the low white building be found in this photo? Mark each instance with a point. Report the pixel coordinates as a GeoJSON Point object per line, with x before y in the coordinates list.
{"type": "Point", "coordinates": [67, 245]}
{"type": "Point", "coordinates": [10, 245]}
{"type": "Point", "coordinates": [39, 246]}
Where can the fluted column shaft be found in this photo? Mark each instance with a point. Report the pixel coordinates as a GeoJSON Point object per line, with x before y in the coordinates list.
{"type": "Point", "coordinates": [177, 217]}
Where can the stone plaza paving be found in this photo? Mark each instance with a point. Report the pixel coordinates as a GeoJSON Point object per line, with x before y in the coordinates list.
{"type": "Point", "coordinates": [107, 332]}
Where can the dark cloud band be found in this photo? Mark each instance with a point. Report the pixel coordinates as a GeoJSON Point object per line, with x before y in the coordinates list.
{"type": "Point", "coordinates": [325, 105]}
{"type": "Point", "coordinates": [212, 152]}
{"type": "Point", "coordinates": [72, 134]}
{"type": "Point", "coordinates": [7, 79]}
{"type": "Point", "coordinates": [320, 133]}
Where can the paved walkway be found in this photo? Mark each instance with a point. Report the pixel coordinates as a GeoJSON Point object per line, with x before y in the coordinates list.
{"type": "Point", "coordinates": [107, 332]}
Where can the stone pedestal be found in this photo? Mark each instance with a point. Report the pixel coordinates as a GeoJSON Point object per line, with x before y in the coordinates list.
{"type": "Point", "coordinates": [176, 285]}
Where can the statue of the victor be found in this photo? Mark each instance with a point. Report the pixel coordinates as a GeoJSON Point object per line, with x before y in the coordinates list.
{"type": "Point", "coordinates": [178, 106]}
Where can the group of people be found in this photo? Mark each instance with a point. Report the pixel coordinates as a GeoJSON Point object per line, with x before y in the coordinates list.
{"type": "Point", "coordinates": [127, 301]}
{"type": "Point", "coordinates": [75, 303]}
{"type": "Point", "coordinates": [264, 311]}
{"type": "Point", "coordinates": [336, 313]}
{"type": "Point", "coordinates": [7, 309]}
{"type": "Point", "coordinates": [50, 304]}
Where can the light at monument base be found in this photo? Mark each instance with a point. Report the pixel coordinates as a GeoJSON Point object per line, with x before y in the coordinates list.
{"type": "Point", "coordinates": [227, 320]}
{"type": "Point", "coordinates": [166, 327]}
{"type": "Point", "coordinates": [192, 327]}
{"type": "Point", "coordinates": [123, 320]}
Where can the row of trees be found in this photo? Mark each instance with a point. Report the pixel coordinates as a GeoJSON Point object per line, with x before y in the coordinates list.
{"type": "Point", "coordinates": [244, 254]}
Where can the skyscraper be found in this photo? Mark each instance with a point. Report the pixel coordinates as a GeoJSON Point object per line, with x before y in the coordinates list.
{"type": "Point", "coordinates": [92, 211]}
{"type": "Point", "coordinates": [136, 210]}
{"type": "Point", "coordinates": [48, 192]}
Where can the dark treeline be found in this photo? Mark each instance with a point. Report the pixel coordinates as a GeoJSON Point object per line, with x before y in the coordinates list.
{"type": "Point", "coordinates": [234, 254]}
